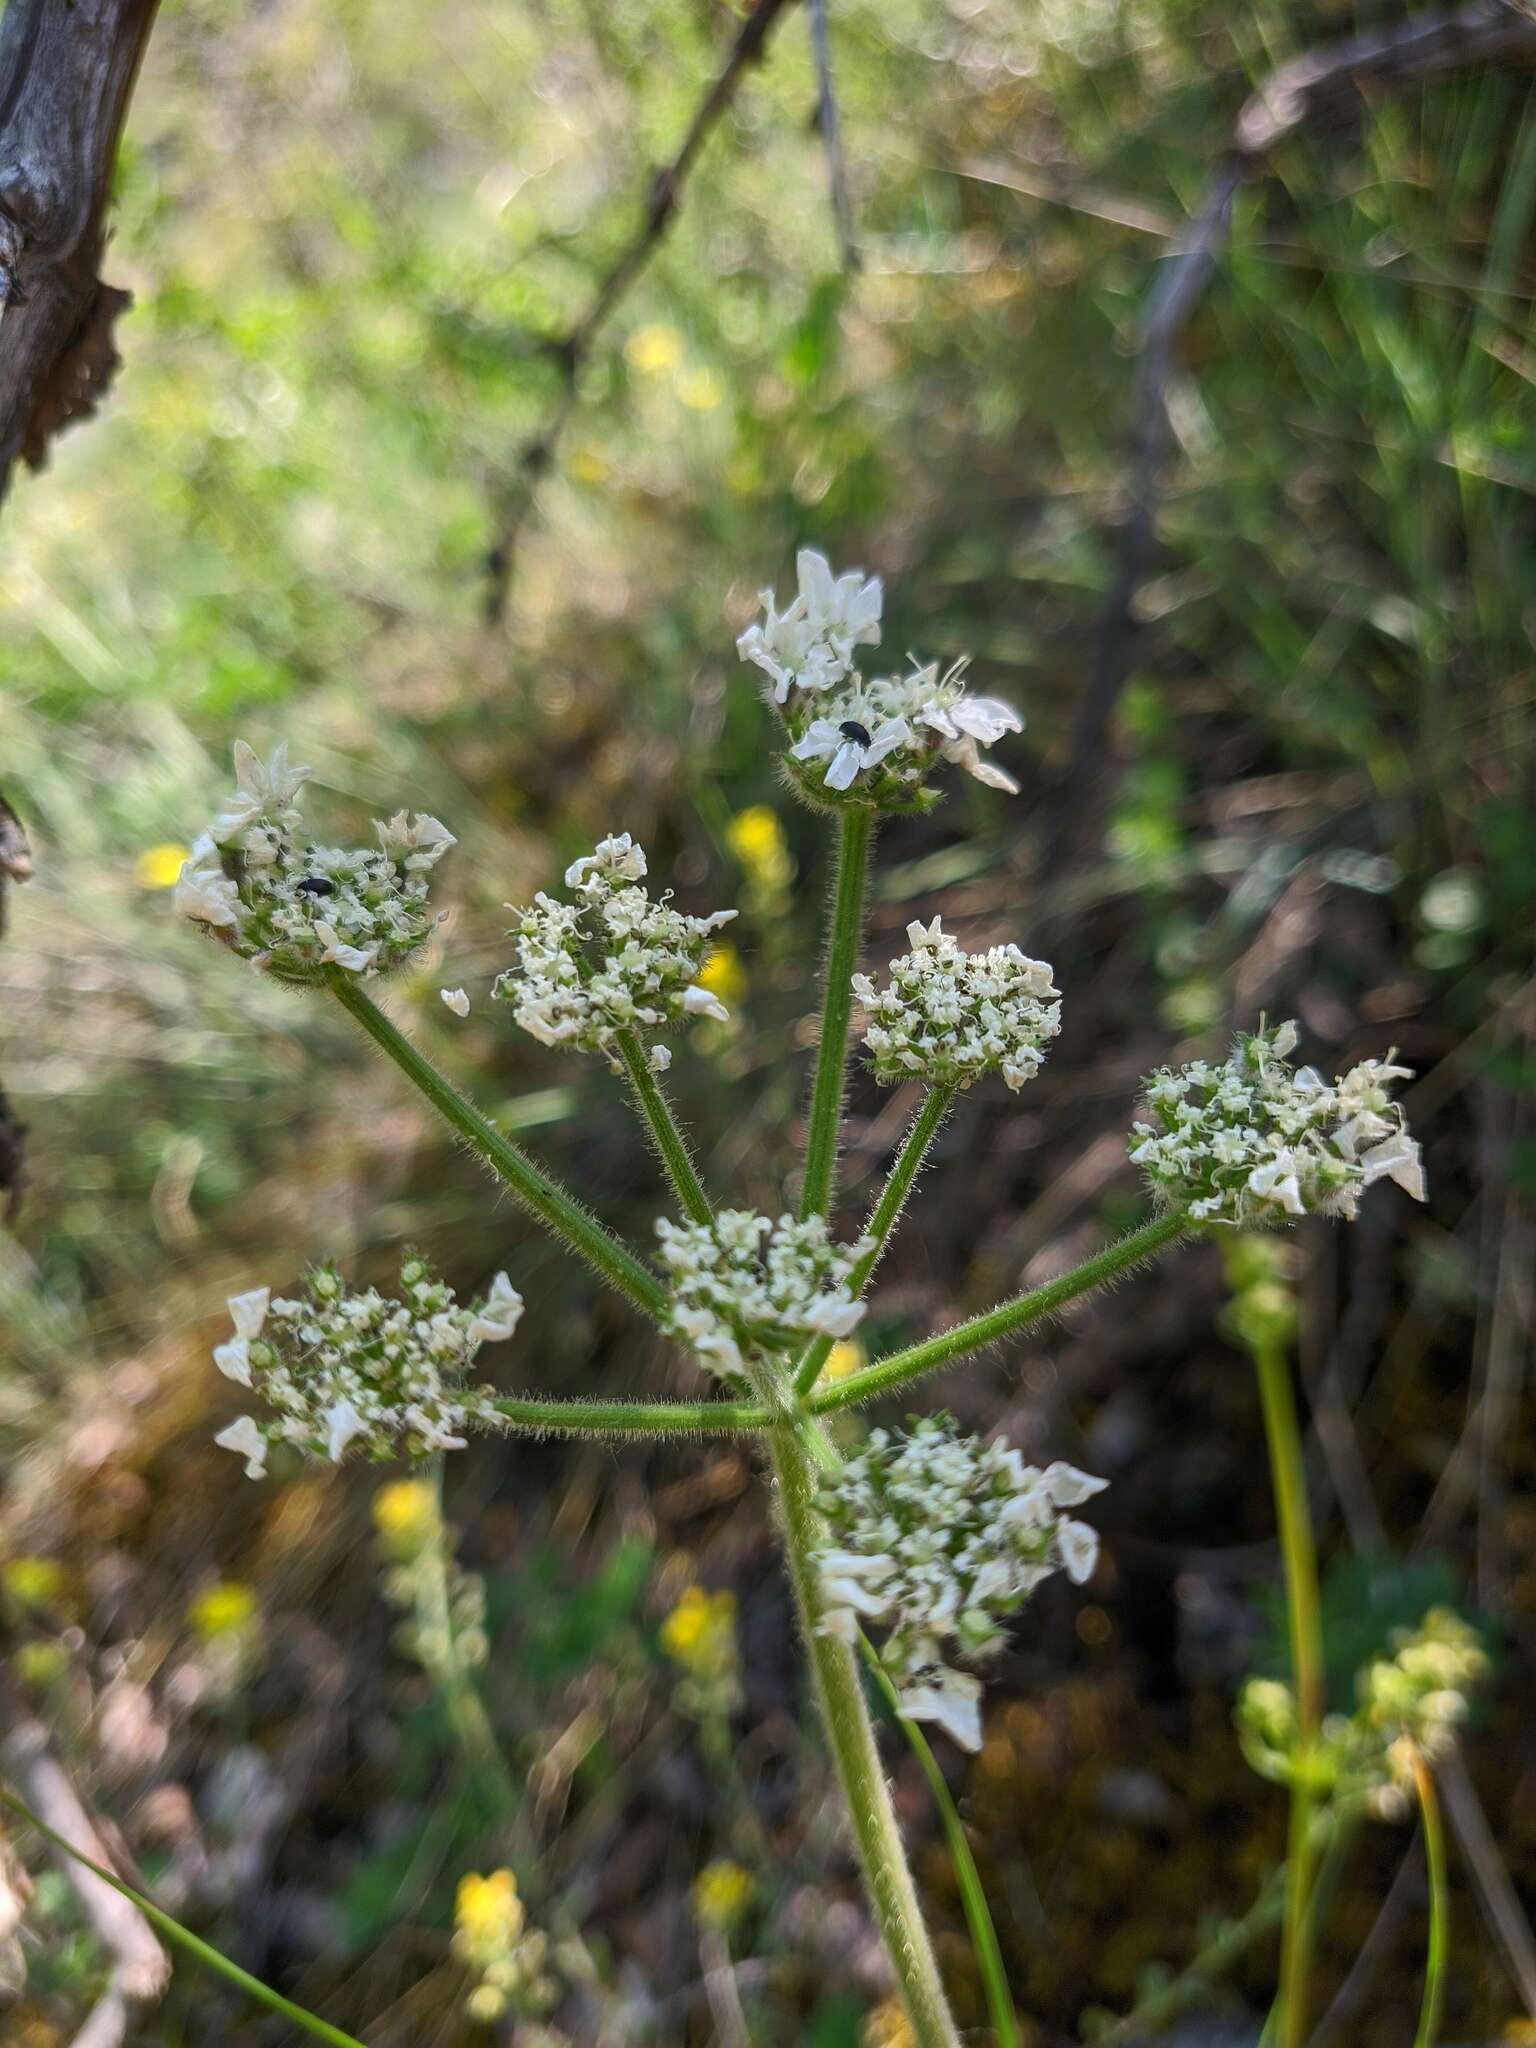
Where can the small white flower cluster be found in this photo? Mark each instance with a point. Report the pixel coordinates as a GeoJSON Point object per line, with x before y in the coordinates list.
{"type": "Point", "coordinates": [878, 738]}
{"type": "Point", "coordinates": [950, 1016]}
{"type": "Point", "coordinates": [748, 1282]}
{"type": "Point", "coordinates": [941, 1537]}
{"type": "Point", "coordinates": [1252, 1141]}
{"type": "Point", "coordinates": [615, 959]}
{"type": "Point", "coordinates": [293, 907]}
{"type": "Point", "coordinates": [342, 1369]}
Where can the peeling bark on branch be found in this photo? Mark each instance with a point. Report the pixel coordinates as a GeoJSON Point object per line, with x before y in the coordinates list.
{"type": "Point", "coordinates": [66, 70]}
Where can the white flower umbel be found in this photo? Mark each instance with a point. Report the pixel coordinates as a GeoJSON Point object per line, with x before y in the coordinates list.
{"type": "Point", "coordinates": [857, 740]}
{"type": "Point", "coordinates": [340, 1370]}
{"type": "Point", "coordinates": [1253, 1141]}
{"type": "Point", "coordinates": [294, 907]}
{"type": "Point", "coordinates": [614, 959]}
{"type": "Point", "coordinates": [810, 645]}
{"type": "Point", "coordinates": [947, 1016]}
{"type": "Point", "coordinates": [939, 1538]}
{"type": "Point", "coordinates": [746, 1282]}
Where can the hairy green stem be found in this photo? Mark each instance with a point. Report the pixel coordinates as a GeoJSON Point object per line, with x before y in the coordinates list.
{"type": "Point", "coordinates": [886, 1374]}
{"type": "Point", "coordinates": [1303, 1610]}
{"type": "Point", "coordinates": [671, 1148]}
{"type": "Point", "coordinates": [538, 1192]}
{"type": "Point", "coordinates": [887, 1209]}
{"type": "Point", "coordinates": [973, 1897]}
{"type": "Point", "coordinates": [851, 1737]}
{"type": "Point", "coordinates": [857, 828]}
{"type": "Point", "coordinates": [630, 1418]}
{"type": "Point", "coordinates": [1439, 1905]}
{"type": "Point", "coordinates": [183, 1938]}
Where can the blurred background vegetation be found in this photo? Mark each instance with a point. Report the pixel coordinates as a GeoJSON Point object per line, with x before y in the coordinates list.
{"type": "Point", "coordinates": [353, 233]}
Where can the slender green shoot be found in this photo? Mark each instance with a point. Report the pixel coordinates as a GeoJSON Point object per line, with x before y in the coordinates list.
{"type": "Point", "coordinates": [671, 1147]}
{"type": "Point", "coordinates": [857, 829]}
{"type": "Point", "coordinates": [1303, 1609]}
{"type": "Point", "coordinates": [901, 1367]}
{"type": "Point", "coordinates": [183, 1938]}
{"type": "Point", "coordinates": [630, 1418]}
{"type": "Point", "coordinates": [1439, 1905]}
{"type": "Point", "coordinates": [973, 1897]}
{"type": "Point", "coordinates": [537, 1190]}
{"type": "Point", "coordinates": [887, 1209]}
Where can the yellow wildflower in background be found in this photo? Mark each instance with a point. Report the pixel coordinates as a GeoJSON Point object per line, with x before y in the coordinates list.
{"type": "Point", "coordinates": [724, 975]}
{"type": "Point", "coordinates": [159, 867]}
{"type": "Point", "coordinates": [405, 1515]}
{"type": "Point", "coordinates": [39, 1664]}
{"type": "Point", "coordinates": [700, 390]}
{"type": "Point", "coordinates": [756, 837]}
{"type": "Point", "coordinates": [844, 1357]}
{"type": "Point", "coordinates": [887, 2027]}
{"type": "Point", "coordinates": [487, 1918]}
{"type": "Point", "coordinates": [700, 1633]}
{"type": "Point", "coordinates": [222, 1610]}
{"type": "Point", "coordinates": [721, 1893]}
{"type": "Point", "coordinates": [654, 350]}
{"type": "Point", "coordinates": [32, 1581]}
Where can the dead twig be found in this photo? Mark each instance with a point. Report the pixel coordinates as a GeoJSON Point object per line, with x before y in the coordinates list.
{"type": "Point", "coordinates": [830, 126]}
{"type": "Point", "coordinates": [666, 188]}
{"type": "Point", "coordinates": [65, 76]}
{"type": "Point", "coordinates": [1320, 89]}
{"type": "Point", "coordinates": [15, 866]}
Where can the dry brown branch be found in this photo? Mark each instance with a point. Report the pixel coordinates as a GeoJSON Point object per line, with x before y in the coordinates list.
{"type": "Point", "coordinates": [66, 70]}
{"type": "Point", "coordinates": [831, 128]}
{"type": "Point", "coordinates": [515, 495]}
{"type": "Point", "coordinates": [15, 866]}
{"type": "Point", "coordinates": [140, 1970]}
{"type": "Point", "coordinates": [1321, 89]}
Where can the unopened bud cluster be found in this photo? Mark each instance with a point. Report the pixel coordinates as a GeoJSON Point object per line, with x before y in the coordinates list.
{"type": "Point", "coordinates": [947, 1016]}
{"type": "Point", "coordinates": [871, 741]}
{"type": "Point", "coordinates": [293, 907]}
{"type": "Point", "coordinates": [444, 1605]}
{"type": "Point", "coordinates": [493, 1941]}
{"type": "Point", "coordinates": [612, 959]}
{"type": "Point", "coordinates": [699, 1635]}
{"type": "Point", "coordinates": [1253, 1141]}
{"type": "Point", "coordinates": [341, 1370]}
{"type": "Point", "coordinates": [940, 1538]}
{"type": "Point", "coordinates": [1410, 1704]}
{"type": "Point", "coordinates": [748, 1283]}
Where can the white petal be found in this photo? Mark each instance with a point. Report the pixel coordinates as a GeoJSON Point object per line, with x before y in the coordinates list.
{"type": "Point", "coordinates": [894, 733]}
{"type": "Point", "coordinates": [456, 1000]}
{"type": "Point", "coordinates": [702, 1002]}
{"type": "Point", "coordinates": [1068, 1487]}
{"type": "Point", "coordinates": [821, 740]}
{"type": "Point", "coordinates": [986, 718]}
{"type": "Point", "coordinates": [953, 1702]}
{"type": "Point", "coordinates": [343, 1423]}
{"type": "Point", "coordinates": [1079, 1547]}
{"type": "Point", "coordinates": [660, 1059]}
{"type": "Point", "coordinates": [846, 763]}
{"type": "Point", "coordinates": [499, 1313]}
{"type": "Point", "coordinates": [233, 1358]}
{"type": "Point", "coordinates": [247, 1440]}
{"type": "Point", "coordinates": [249, 1311]}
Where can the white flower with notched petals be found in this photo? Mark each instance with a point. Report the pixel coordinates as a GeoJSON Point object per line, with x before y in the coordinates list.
{"type": "Point", "coordinates": [940, 1538]}
{"type": "Point", "coordinates": [966, 724]}
{"type": "Point", "coordinates": [947, 1016]}
{"type": "Point", "coordinates": [744, 1281]}
{"type": "Point", "coordinates": [849, 746]}
{"type": "Point", "coordinates": [809, 646]}
{"type": "Point", "coordinates": [340, 1369]}
{"type": "Point", "coordinates": [1251, 1141]}
{"type": "Point", "coordinates": [295, 908]}
{"type": "Point", "coordinates": [614, 960]}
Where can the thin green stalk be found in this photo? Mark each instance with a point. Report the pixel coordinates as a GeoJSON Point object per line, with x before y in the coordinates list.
{"type": "Point", "coordinates": [1439, 1905]}
{"type": "Point", "coordinates": [630, 1418]}
{"type": "Point", "coordinates": [851, 1738]}
{"type": "Point", "coordinates": [538, 1192]}
{"type": "Point", "coordinates": [837, 1006]}
{"type": "Point", "coordinates": [893, 1197]}
{"type": "Point", "coordinates": [1303, 1610]}
{"type": "Point", "coordinates": [671, 1147]}
{"type": "Point", "coordinates": [183, 1938]}
{"type": "Point", "coordinates": [465, 1708]}
{"type": "Point", "coordinates": [886, 1374]}
{"type": "Point", "coordinates": [973, 1897]}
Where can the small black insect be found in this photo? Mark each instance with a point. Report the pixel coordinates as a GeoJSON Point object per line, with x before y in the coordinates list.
{"type": "Point", "coordinates": [852, 730]}
{"type": "Point", "coordinates": [316, 885]}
